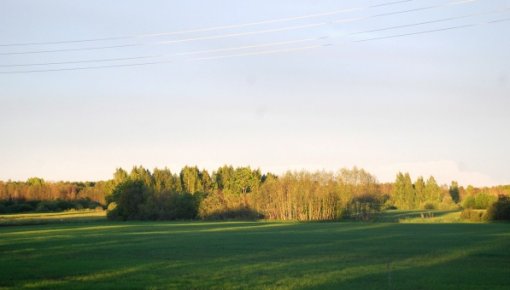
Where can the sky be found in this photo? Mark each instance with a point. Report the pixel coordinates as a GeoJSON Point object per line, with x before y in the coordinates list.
{"type": "Point", "coordinates": [421, 86]}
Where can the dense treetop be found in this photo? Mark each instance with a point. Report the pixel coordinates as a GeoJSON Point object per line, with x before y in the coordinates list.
{"type": "Point", "coordinates": [242, 191]}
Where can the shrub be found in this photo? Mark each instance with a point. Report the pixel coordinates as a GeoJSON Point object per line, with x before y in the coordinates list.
{"type": "Point", "coordinates": [363, 207]}
{"type": "Point", "coordinates": [473, 215]}
{"type": "Point", "coordinates": [428, 205]}
{"type": "Point", "coordinates": [500, 210]}
{"type": "Point", "coordinates": [20, 207]}
{"type": "Point", "coordinates": [226, 207]}
{"type": "Point", "coordinates": [111, 212]}
{"type": "Point", "coordinates": [42, 208]}
{"type": "Point", "coordinates": [241, 213]}
{"type": "Point", "coordinates": [129, 197]}
{"type": "Point", "coordinates": [64, 204]}
{"type": "Point", "coordinates": [448, 204]}
{"type": "Point", "coordinates": [133, 200]}
{"type": "Point", "coordinates": [479, 201]}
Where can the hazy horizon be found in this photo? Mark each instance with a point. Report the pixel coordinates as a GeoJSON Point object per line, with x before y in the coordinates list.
{"type": "Point", "coordinates": [414, 86]}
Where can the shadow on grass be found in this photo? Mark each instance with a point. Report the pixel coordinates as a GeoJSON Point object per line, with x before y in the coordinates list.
{"type": "Point", "coordinates": [255, 255]}
{"type": "Point", "coordinates": [394, 216]}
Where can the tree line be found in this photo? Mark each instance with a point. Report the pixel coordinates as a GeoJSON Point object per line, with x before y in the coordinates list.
{"type": "Point", "coordinates": [243, 192]}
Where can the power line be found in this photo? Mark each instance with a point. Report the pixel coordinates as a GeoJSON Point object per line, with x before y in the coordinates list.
{"type": "Point", "coordinates": [69, 49]}
{"type": "Point", "coordinates": [232, 35]}
{"type": "Point", "coordinates": [434, 30]}
{"type": "Point", "coordinates": [88, 67]}
{"type": "Point", "coordinates": [167, 61]}
{"type": "Point", "coordinates": [78, 61]}
{"type": "Point", "coordinates": [431, 21]}
{"type": "Point", "coordinates": [448, 4]}
{"type": "Point", "coordinates": [214, 28]}
{"type": "Point", "coordinates": [269, 44]}
{"type": "Point", "coordinates": [183, 40]}
{"type": "Point", "coordinates": [452, 3]}
{"type": "Point", "coordinates": [415, 33]}
{"type": "Point", "coordinates": [250, 46]}
{"type": "Point", "coordinates": [260, 52]}
{"type": "Point", "coordinates": [263, 44]}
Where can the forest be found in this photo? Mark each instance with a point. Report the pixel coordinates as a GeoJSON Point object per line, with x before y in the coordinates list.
{"type": "Point", "coordinates": [245, 193]}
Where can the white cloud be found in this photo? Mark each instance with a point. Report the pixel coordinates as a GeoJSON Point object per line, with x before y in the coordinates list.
{"type": "Point", "coordinates": [444, 171]}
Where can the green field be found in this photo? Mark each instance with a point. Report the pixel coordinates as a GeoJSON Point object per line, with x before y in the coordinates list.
{"type": "Point", "coordinates": [96, 254]}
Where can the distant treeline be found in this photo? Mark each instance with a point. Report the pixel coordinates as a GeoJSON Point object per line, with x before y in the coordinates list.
{"type": "Point", "coordinates": [243, 192]}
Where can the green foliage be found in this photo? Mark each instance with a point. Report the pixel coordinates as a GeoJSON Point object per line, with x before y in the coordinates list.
{"type": "Point", "coordinates": [474, 215]}
{"type": "Point", "coordinates": [479, 201]}
{"type": "Point", "coordinates": [190, 180]}
{"type": "Point", "coordinates": [35, 181]}
{"type": "Point", "coordinates": [292, 196]}
{"type": "Point", "coordinates": [364, 207]}
{"type": "Point", "coordinates": [219, 206]}
{"type": "Point", "coordinates": [454, 191]}
{"type": "Point", "coordinates": [164, 180]}
{"type": "Point", "coordinates": [19, 206]}
{"type": "Point", "coordinates": [171, 206]}
{"type": "Point", "coordinates": [315, 196]}
{"type": "Point", "coordinates": [241, 180]}
{"type": "Point", "coordinates": [133, 200]}
{"type": "Point", "coordinates": [419, 187]}
{"type": "Point", "coordinates": [141, 174]}
{"type": "Point", "coordinates": [432, 190]}
{"type": "Point", "coordinates": [404, 195]}
{"type": "Point", "coordinates": [224, 177]}
{"type": "Point", "coordinates": [129, 196]}
{"type": "Point", "coordinates": [245, 180]}
{"type": "Point", "coordinates": [428, 205]}
{"type": "Point", "coordinates": [500, 210]}
{"type": "Point", "coordinates": [119, 176]}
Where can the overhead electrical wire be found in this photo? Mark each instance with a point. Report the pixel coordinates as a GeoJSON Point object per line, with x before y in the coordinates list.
{"type": "Point", "coordinates": [79, 61]}
{"type": "Point", "coordinates": [214, 28]}
{"type": "Point", "coordinates": [432, 21]}
{"type": "Point", "coordinates": [260, 52]}
{"type": "Point", "coordinates": [269, 44]}
{"type": "Point", "coordinates": [265, 44]}
{"type": "Point", "coordinates": [260, 45]}
{"type": "Point", "coordinates": [231, 35]}
{"type": "Point", "coordinates": [250, 46]}
{"type": "Point", "coordinates": [432, 30]}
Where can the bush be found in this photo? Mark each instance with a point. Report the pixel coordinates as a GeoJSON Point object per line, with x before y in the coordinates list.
{"type": "Point", "coordinates": [479, 201]}
{"type": "Point", "coordinates": [17, 206]}
{"type": "Point", "coordinates": [132, 200]}
{"type": "Point", "coordinates": [226, 207]}
{"type": "Point", "coordinates": [429, 205]}
{"type": "Point", "coordinates": [473, 215]}
{"type": "Point", "coordinates": [363, 207]}
{"type": "Point", "coordinates": [170, 206]}
{"type": "Point", "coordinates": [242, 213]}
{"type": "Point", "coordinates": [20, 207]}
{"type": "Point", "coordinates": [129, 197]}
{"type": "Point", "coordinates": [500, 210]}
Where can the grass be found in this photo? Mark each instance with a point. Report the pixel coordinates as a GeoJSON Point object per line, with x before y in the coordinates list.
{"type": "Point", "coordinates": [422, 216]}
{"type": "Point", "coordinates": [53, 217]}
{"type": "Point", "coordinates": [99, 254]}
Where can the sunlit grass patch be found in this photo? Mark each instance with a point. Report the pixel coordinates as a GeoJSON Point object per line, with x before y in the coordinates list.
{"type": "Point", "coordinates": [85, 215]}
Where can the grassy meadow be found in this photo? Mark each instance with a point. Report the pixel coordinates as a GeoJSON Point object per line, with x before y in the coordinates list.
{"type": "Point", "coordinates": [89, 252]}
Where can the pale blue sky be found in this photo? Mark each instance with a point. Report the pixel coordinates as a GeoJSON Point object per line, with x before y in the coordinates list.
{"type": "Point", "coordinates": [432, 103]}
